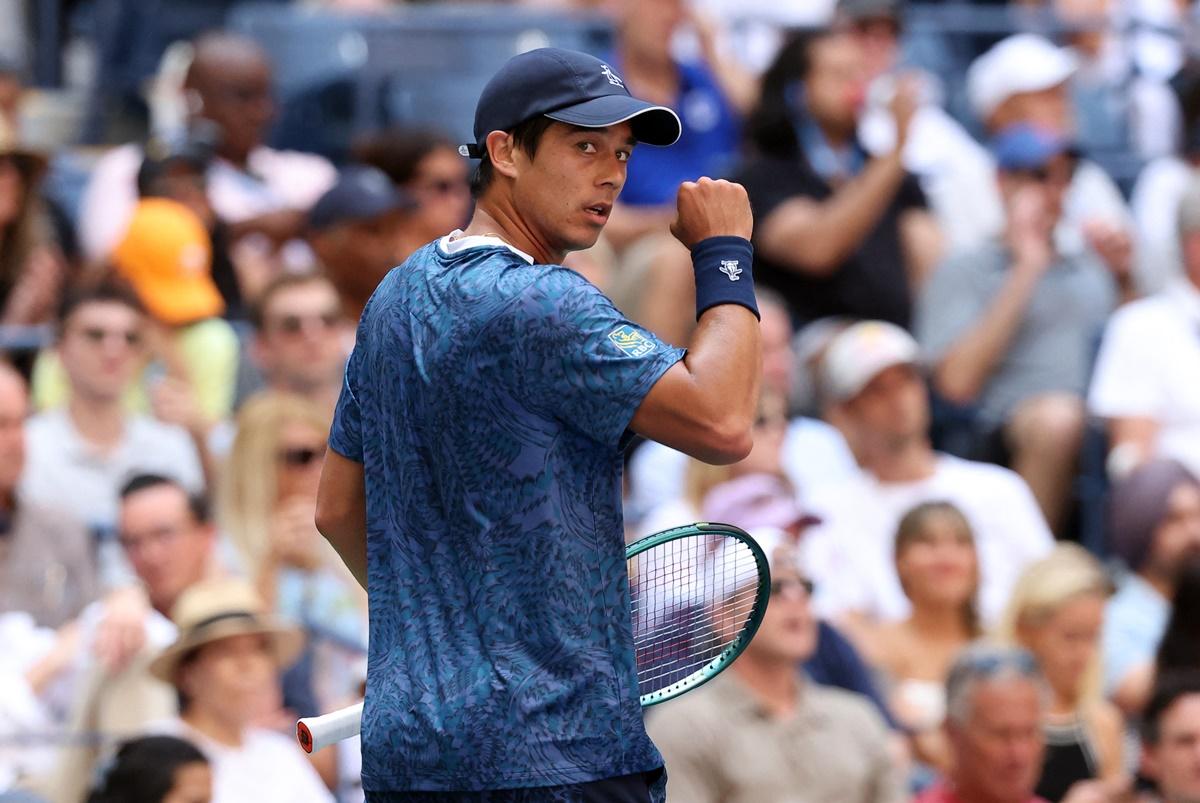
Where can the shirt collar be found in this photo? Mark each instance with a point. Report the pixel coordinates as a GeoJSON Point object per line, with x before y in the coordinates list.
{"type": "Point", "coordinates": [455, 242]}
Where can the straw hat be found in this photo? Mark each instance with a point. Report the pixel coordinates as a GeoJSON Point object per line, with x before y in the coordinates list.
{"type": "Point", "coordinates": [215, 609]}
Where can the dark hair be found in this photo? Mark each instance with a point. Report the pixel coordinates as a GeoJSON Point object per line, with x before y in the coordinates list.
{"type": "Point", "coordinates": [143, 770]}
{"type": "Point", "coordinates": [770, 126]}
{"type": "Point", "coordinates": [398, 150]}
{"type": "Point", "coordinates": [526, 136]}
{"type": "Point", "coordinates": [279, 284]}
{"type": "Point", "coordinates": [1167, 691]}
{"type": "Point", "coordinates": [1180, 646]}
{"type": "Point", "coordinates": [197, 503]}
{"type": "Point", "coordinates": [106, 291]}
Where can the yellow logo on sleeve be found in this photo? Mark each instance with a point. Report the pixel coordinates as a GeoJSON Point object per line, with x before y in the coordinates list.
{"type": "Point", "coordinates": [631, 341]}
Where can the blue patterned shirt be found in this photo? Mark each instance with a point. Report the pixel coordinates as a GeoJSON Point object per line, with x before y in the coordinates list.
{"type": "Point", "coordinates": [488, 399]}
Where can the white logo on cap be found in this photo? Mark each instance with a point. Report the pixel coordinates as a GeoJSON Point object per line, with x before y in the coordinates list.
{"type": "Point", "coordinates": [612, 77]}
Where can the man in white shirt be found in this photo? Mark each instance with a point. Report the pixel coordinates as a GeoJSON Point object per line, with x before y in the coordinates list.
{"type": "Point", "coordinates": [78, 456]}
{"type": "Point", "coordinates": [1146, 385]}
{"type": "Point", "coordinates": [225, 666]}
{"type": "Point", "coordinates": [879, 401]}
{"type": "Point", "coordinates": [262, 193]}
{"type": "Point", "coordinates": [813, 451]}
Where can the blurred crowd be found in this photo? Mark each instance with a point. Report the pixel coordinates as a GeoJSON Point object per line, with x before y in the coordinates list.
{"type": "Point", "coordinates": [976, 468]}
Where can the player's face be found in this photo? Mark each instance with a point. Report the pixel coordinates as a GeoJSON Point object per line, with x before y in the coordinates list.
{"type": "Point", "coordinates": [566, 191]}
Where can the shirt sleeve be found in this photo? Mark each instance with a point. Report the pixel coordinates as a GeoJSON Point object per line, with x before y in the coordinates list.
{"type": "Point", "coordinates": [949, 304]}
{"type": "Point", "coordinates": [1126, 382]}
{"type": "Point", "coordinates": [345, 436]}
{"type": "Point", "coordinates": [579, 360]}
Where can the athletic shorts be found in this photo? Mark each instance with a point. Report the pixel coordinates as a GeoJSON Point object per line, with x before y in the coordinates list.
{"type": "Point", "coordinates": [642, 787]}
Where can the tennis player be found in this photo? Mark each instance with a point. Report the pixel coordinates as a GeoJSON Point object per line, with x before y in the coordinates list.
{"type": "Point", "coordinates": [474, 479]}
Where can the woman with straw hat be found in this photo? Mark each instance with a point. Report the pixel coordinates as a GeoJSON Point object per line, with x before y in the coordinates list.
{"type": "Point", "coordinates": [225, 667]}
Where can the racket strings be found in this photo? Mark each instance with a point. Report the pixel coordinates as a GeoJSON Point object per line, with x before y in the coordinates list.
{"type": "Point", "coordinates": [692, 600]}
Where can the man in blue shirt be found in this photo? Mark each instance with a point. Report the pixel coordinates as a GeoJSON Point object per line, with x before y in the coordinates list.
{"type": "Point", "coordinates": [473, 483]}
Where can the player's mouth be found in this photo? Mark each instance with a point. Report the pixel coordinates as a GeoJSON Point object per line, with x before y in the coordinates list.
{"type": "Point", "coordinates": [598, 213]}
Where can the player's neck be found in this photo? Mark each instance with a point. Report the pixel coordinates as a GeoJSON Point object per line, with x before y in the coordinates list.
{"type": "Point", "coordinates": [495, 218]}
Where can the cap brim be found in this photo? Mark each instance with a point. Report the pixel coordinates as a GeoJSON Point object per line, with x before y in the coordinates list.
{"type": "Point", "coordinates": [653, 125]}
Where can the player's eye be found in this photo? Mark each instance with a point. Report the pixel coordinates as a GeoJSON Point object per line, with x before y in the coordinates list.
{"type": "Point", "coordinates": [586, 147]}
{"type": "Point", "coordinates": [622, 156]}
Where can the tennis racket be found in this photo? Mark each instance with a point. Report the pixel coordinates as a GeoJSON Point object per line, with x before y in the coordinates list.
{"type": "Point", "coordinates": [698, 595]}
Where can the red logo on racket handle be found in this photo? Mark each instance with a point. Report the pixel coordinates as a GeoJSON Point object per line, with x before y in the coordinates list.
{"type": "Point", "coordinates": [304, 737]}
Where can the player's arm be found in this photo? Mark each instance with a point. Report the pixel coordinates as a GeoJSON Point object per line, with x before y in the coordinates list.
{"type": "Point", "coordinates": [704, 405]}
{"type": "Point", "coordinates": [342, 512]}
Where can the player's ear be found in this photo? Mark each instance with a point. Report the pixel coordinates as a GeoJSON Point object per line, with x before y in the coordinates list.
{"type": "Point", "coordinates": [502, 152]}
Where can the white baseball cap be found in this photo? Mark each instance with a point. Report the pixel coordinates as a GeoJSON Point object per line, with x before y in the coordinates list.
{"type": "Point", "coordinates": [1024, 62]}
{"type": "Point", "coordinates": [859, 353]}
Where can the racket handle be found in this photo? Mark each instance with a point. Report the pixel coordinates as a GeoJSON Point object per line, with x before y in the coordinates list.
{"type": "Point", "coordinates": [316, 733]}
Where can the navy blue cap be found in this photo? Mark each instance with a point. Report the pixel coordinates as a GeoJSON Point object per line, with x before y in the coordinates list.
{"type": "Point", "coordinates": [1028, 147]}
{"type": "Point", "coordinates": [570, 87]}
{"type": "Point", "coordinates": [360, 193]}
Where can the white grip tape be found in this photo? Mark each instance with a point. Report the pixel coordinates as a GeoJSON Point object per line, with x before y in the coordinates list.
{"type": "Point", "coordinates": [317, 733]}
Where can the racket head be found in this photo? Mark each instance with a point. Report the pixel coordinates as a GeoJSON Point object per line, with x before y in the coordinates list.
{"type": "Point", "coordinates": [699, 594]}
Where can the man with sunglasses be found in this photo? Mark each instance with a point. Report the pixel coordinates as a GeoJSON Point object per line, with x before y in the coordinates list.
{"type": "Point", "coordinates": [79, 454]}
{"type": "Point", "coordinates": [1009, 327]}
{"type": "Point", "coordinates": [763, 731]}
{"type": "Point", "coordinates": [302, 337]}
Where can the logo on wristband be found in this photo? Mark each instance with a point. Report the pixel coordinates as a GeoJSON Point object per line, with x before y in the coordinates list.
{"type": "Point", "coordinates": [730, 268]}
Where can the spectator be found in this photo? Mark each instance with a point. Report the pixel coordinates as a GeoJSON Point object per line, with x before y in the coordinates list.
{"type": "Point", "coordinates": [302, 338]}
{"type": "Point", "coordinates": [92, 444]}
{"type": "Point", "coordinates": [1056, 612]}
{"type": "Point", "coordinates": [268, 501]}
{"type": "Point", "coordinates": [994, 712]}
{"type": "Point", "coordinates": [939, 150]}
{"type": "Point", "coordinates": [707, 91]}
{"type": "Point", "coordinates": [425, 165]}
{"type": "Point", "coordinates": [156, 769]}
{"type": "Point", "coordinates": [838, 232]}
{"type": "Point", "coordinates": [812, 452]}
{"type": "Point", "coordinates": [1179, 649]}
{"type": "Point", "coordinates": [1024, 79]}
{"type": "Point", "coordinates": [761, 731]}
{"type": "Point", "coordinates": [224, 666]}
{"type": "Point", "coordinates": [33, 270]}
{"type": "Point", "coordinates": [359, 230]}
{"type": "Point", "coordinates": [1171, 738]}
{"type": "Point", "coordinates": [878, 399]}
{"type": "Point", "coordinates": [169, 540]}
{"type": "Point", "coordinates": [764, 504]}
{"type": "Point", "coordinates": [938, 569]}
{"type": "Point", "coordinates": [1142, 386]}
{"type": "Point", "coordinates": [1009, 326]}
{"type": "Point", "coordinates": [1155, 523]}
{"type": "Point", "coordinates": [166, 256]}
{"type": "Point", "coordinates": [46, 565]}
{"type": "Point", "coordinates": [1161, 185]}
{"type": "Point", "coordinates": [262, 193]}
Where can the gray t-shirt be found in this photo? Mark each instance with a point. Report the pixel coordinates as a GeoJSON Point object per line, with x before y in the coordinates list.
{"type": "Point", "coordinates": [1054, 345]}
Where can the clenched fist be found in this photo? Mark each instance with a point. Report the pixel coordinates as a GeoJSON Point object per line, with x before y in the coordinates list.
{"type": "Point", "coordinates": [712, 208]}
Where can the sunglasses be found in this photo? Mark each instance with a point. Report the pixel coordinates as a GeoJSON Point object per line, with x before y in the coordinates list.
{"type": "Point", "coordinates": [783, 586]}
{"type": "Point", "coordinates": [301, 457]}
{"type": "Point", "coordinates": [97, 336]}
{"type": "Point", "coordinates": [295, 324]}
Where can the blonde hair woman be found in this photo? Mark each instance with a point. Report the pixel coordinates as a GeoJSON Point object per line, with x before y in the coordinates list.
{"type": "Point", "coordinates": [1056, 612]}
{"type": "Point", "coordinates": [266, 503]}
